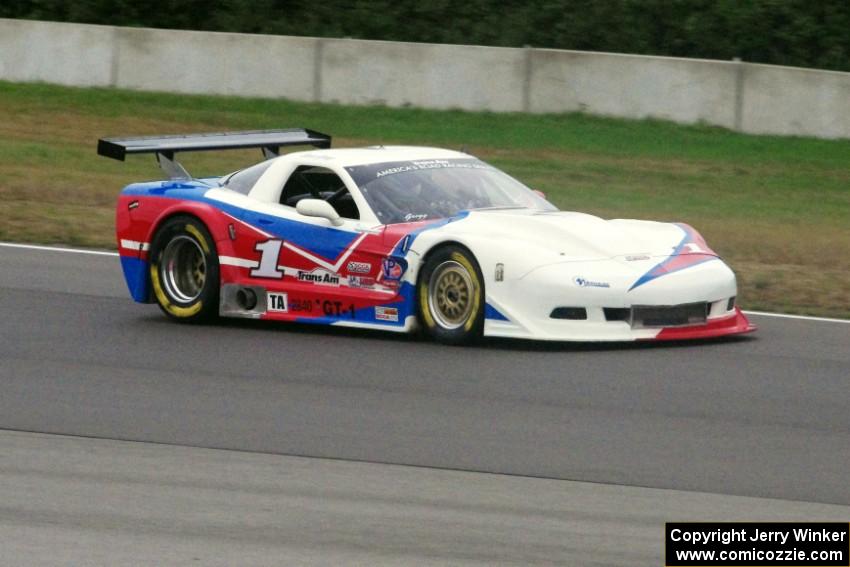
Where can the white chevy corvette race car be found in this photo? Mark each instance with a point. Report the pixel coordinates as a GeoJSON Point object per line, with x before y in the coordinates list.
{"type": "Point", "coordinates": [401, 238]}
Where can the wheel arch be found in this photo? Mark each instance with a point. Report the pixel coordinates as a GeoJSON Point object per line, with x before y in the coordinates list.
{"type": "Point", "coordinates": [199, 211]}
{"type": "Point", "coordinates": [426, 255]}
{"type": "Point", "coordinates": [205, 214]}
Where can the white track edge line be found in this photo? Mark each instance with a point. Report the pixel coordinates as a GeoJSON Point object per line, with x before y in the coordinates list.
{"type": "Point", "coordinates": [57, 249]}
{"type": "Point", "coordinates": [105, 253]}
{"type": "Point", "coordinates": [802, 317]}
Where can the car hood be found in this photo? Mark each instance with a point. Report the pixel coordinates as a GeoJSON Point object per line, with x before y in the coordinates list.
{"type": "Point", "coordinates": [568, 236]}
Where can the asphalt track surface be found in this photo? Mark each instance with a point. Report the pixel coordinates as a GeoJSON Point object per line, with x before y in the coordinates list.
{"type": "Point", "coordinates": [84, 501]}
{"type": "Point", "coordinates": [764, 415]}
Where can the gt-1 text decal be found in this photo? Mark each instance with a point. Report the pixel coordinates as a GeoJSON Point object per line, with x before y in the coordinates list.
{"type": "Point", "coordinates": [328, 307]}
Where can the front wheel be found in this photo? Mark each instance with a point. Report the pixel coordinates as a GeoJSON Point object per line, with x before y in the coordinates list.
{"type": "Point", "coordinates": [451, 296]}
{"type": "Point", "coordinates": [184, 270]}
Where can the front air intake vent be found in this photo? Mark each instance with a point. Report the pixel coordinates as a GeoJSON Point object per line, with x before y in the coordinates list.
{"type": "Point", "coordinates": [573, 313]}
{"type": "Point", "coordinates": [617, 313]}
{"type": "Point", "coordinates": [655, 316]}
{"type": "Point", "coordinates": [669, 315]}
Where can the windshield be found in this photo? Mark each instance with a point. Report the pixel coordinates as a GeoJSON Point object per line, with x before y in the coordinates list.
{"type": "Point", "coordinates": [408, 191]}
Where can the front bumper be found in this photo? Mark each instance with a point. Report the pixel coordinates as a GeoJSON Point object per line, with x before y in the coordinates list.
{"type": "Point", "coordinates": [527, 303]}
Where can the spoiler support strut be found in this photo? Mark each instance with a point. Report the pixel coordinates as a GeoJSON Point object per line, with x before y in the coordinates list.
{"type": "Point", "coordinates": [171, 167]}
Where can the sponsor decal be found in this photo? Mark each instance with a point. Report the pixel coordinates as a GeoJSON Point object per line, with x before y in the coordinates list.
{"type": "Point", "coordinates": [386, 313]}
{"type": "Point", "coordinates": [359, 267]}
{"type": "Point", "coordinates": [413, 217]}
{"type": "Point", "coordinates": [584, 282]}
{"type": "Point", "coordinates": [637, 258]}
{"type": "Point", "coordinates": [361, 282]}
{"type": "Point", "coordinates": [301, 305]}
{"type": "Point", "coordinates": [364, 174]}
{"type": "Point", "coordinates": [431, 164]}
{"type": "Point", "coordinates": [277, 302]}
{"type": "Point", "coordinates": [398, 169]}
{"type": "Point", "coordinates": [318, 276]}
{"type": "Point", "coordinates": [393, 269]}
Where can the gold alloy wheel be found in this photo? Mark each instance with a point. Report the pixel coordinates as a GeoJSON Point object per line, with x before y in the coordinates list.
{"type": "Point", "coordinates": [184, 269]}
{"type": "Point", "coordinates": [450, 295]}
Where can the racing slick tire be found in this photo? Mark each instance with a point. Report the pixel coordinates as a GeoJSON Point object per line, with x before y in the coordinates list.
{"type": "Point", "coordinates": [451, 296]}
{"type": "Point", "coordinates": [184, 270]}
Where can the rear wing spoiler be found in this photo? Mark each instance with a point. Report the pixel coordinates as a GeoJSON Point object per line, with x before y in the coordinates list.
{"type": "Point", "coordinates": [166, 146]}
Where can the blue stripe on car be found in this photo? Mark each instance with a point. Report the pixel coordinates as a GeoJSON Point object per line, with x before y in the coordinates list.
{"type": "Point", "coordinates": [494, 314]}
{"type": "Point", "coordinates": [136, 276]}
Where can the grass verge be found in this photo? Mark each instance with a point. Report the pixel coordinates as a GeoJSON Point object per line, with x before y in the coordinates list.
{"type": "Point", "coordinates": [777, 209]}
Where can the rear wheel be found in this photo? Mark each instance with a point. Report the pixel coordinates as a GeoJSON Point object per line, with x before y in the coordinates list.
{"type": "Point", "coordinates": [451, 296]}
{"type": "Point", "coordinates": [184, 270]}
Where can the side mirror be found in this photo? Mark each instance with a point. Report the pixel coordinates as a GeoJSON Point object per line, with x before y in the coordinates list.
{"type": "Point", "coordinates": [540, 193]}
{"type": "Point", "coordinates": [318, 208]}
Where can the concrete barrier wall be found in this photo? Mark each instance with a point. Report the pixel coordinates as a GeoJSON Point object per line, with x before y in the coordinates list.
{"type": "Point", "coordinates": [681, 90]}
{"type": "Point", "coordinates": [218, 63]}
{"type": "Point", "coordinates": [422, 75]}
{"type": "Point", "coordinates": [795, 102]}
{"type": "Point", "coordinates": [762, 99]}
{"type": "Point", "coordinates": [56, 53]}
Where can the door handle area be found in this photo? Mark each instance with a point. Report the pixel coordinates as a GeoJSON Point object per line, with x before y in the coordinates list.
{"type": "Point", "coordinates": [265, 221]}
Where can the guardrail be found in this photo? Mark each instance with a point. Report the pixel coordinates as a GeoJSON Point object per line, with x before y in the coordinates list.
{"type": "Point", "coordinates": [754, 98]}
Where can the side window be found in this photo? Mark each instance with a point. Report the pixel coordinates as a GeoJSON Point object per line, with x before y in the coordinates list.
{"type": "Point", "coordinates": [310, 182]}
{"type": "Point", "coordinates": [243, 181]}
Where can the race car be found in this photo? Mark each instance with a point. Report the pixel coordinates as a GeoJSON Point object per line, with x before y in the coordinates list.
{"type": "Point", "coordinates": [403, 238]}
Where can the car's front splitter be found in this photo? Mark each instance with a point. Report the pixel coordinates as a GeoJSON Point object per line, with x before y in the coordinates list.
{"type": "Point", "coordinates": [735, 324]}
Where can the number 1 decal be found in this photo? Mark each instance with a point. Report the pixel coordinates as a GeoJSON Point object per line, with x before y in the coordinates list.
{"type": "Point", "coordinates": [269, 254]}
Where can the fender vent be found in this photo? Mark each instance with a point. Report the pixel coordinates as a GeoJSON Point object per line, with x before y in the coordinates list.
{"type": "Point", "coordinates": [573, 313]}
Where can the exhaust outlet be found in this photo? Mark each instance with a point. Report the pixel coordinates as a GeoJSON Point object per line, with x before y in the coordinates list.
{"type": "Point", "coordinates": [238, 300]}
{"type": "Point", "coordinates": [246, 299]}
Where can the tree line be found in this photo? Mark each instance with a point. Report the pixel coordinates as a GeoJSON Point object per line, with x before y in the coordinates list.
{"type": "Point", "coordinates": [783, 32]}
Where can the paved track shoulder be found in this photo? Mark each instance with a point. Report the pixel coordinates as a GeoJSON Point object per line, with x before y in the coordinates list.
{"type": "Point", "coordinates": [77, 501]}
